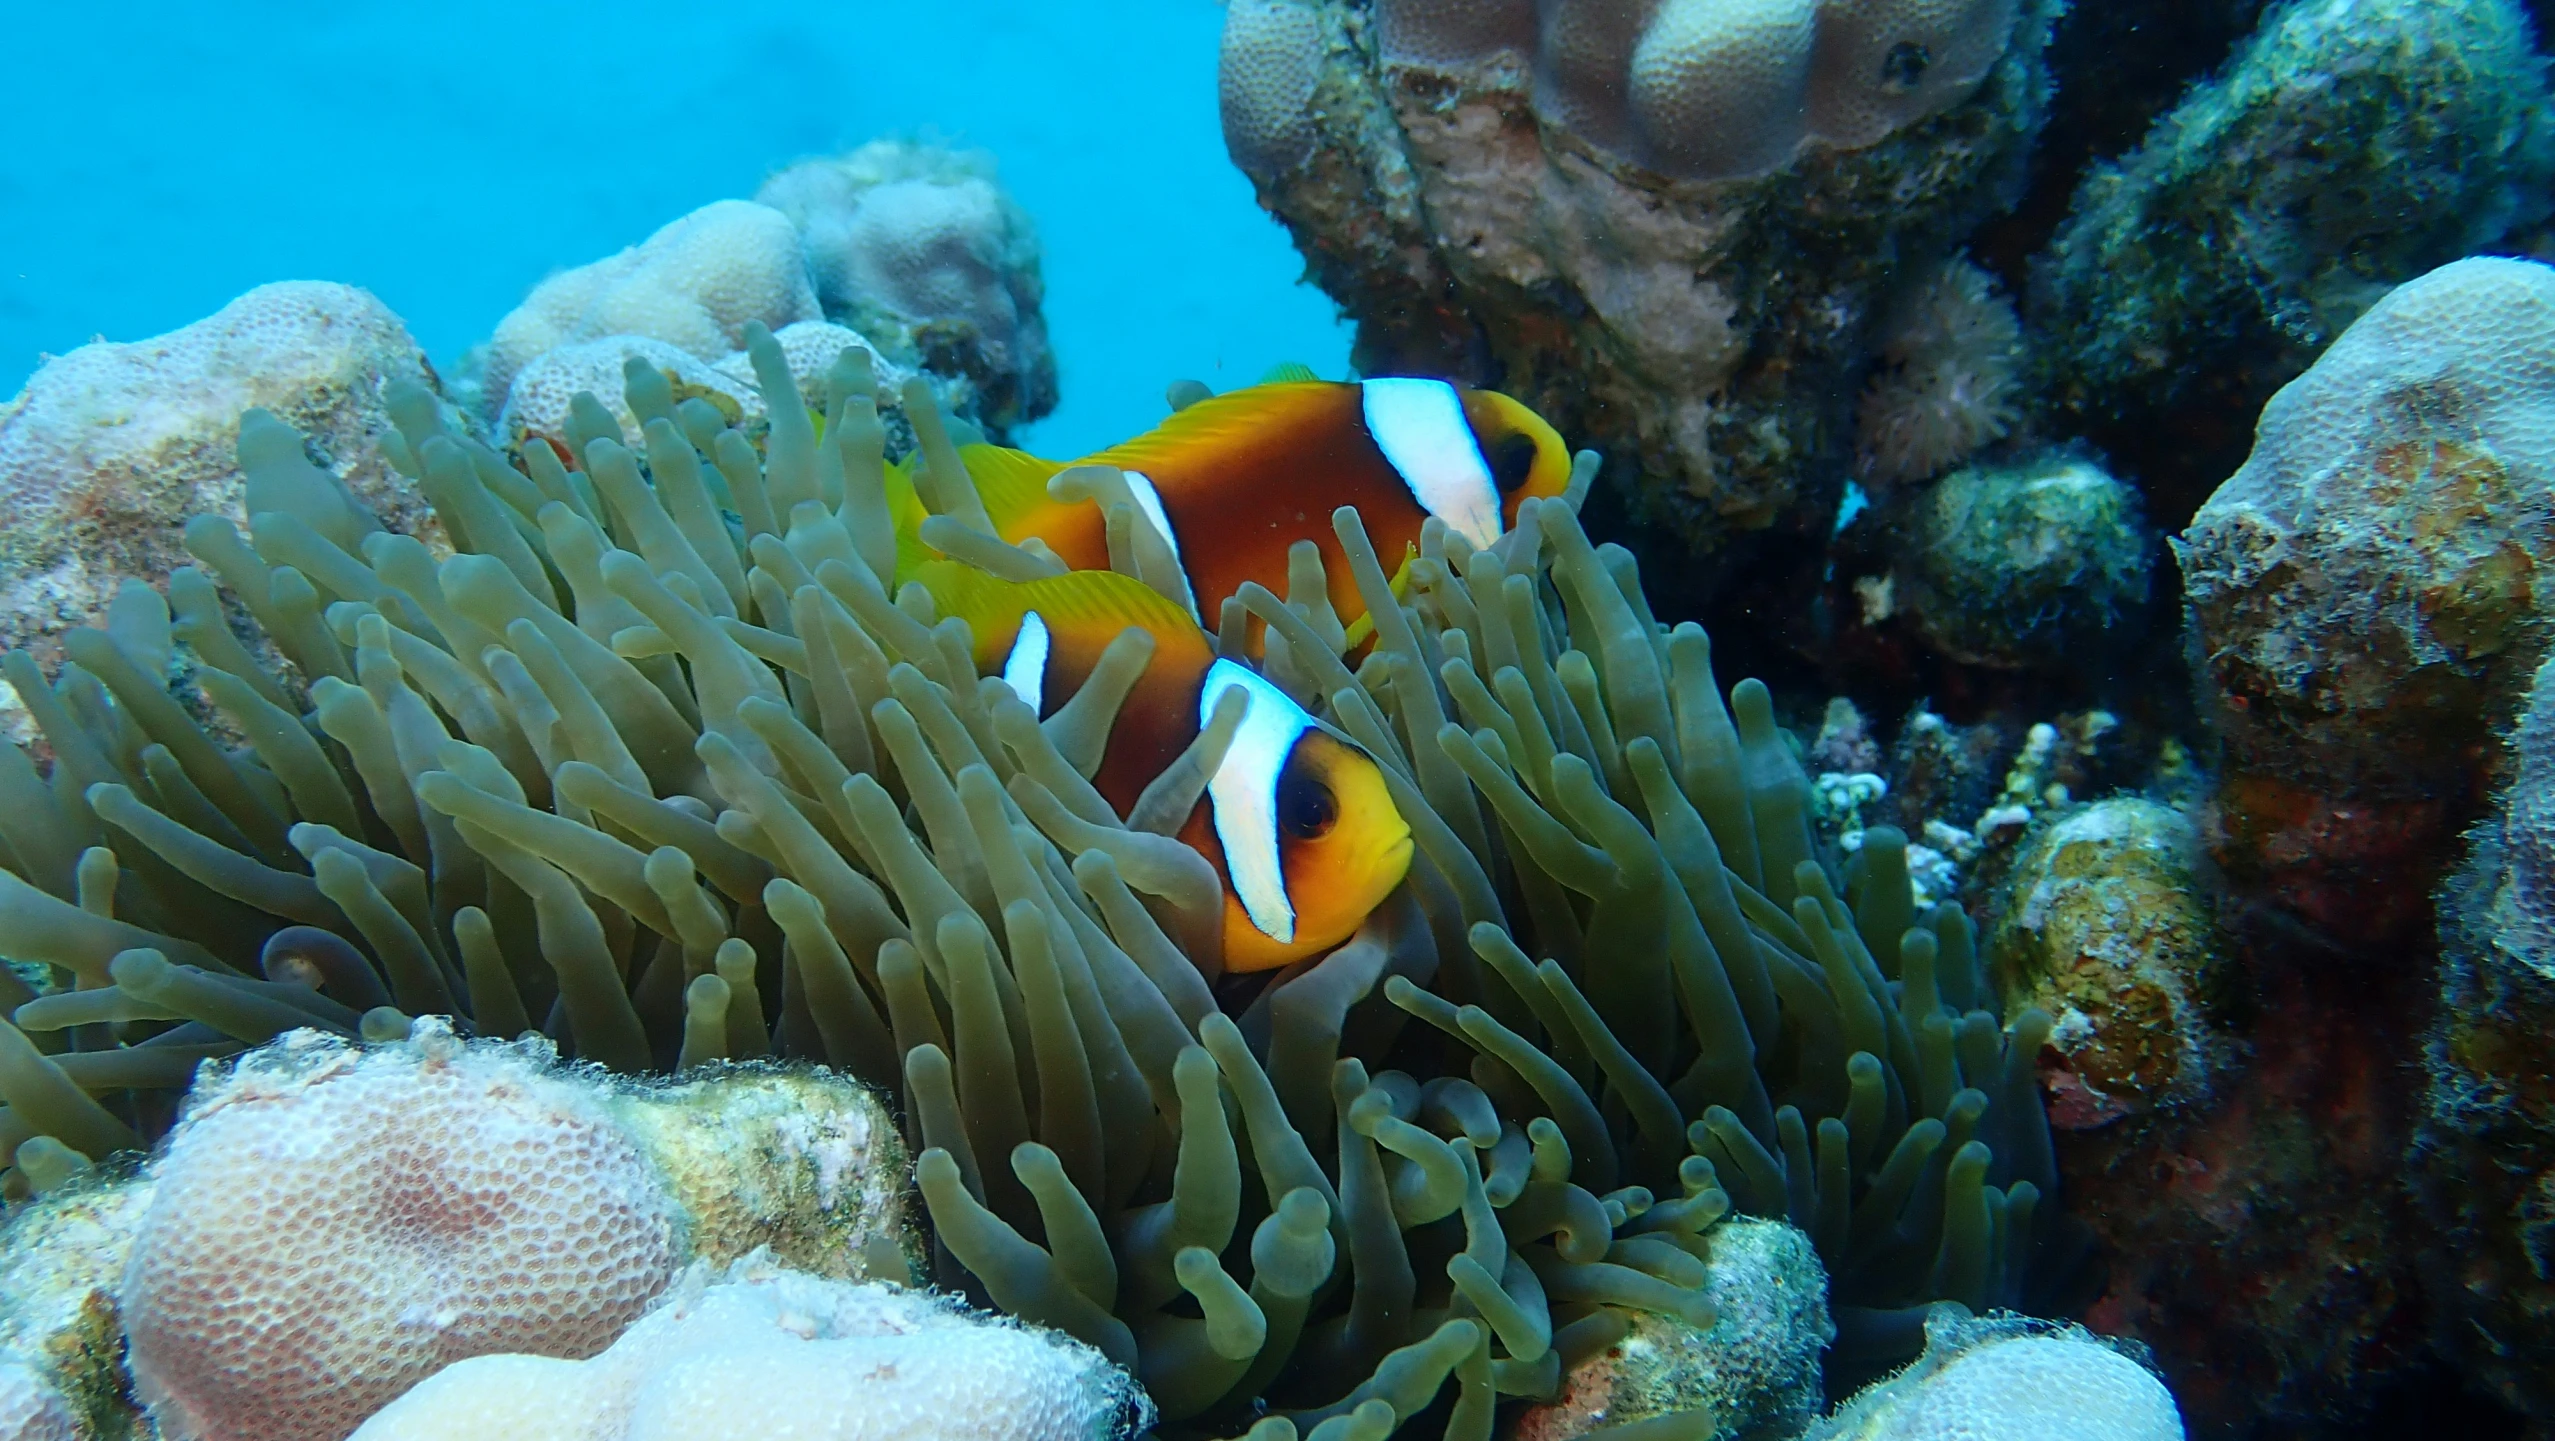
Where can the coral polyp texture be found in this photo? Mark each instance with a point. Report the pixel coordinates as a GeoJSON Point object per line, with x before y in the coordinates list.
{"type": "Point", "coordinates": [329, 1227]}
{"type": "Point", "coordinates": [110, 448]}
{"type": "Point", "coordinates": [2365, 591]}
{"type": "Point", "coordinates": [655, 763]}
{"type": "Point", "coordinates": [1673, 229]}
{"type": "Point", "coordinates": [759, 1351]}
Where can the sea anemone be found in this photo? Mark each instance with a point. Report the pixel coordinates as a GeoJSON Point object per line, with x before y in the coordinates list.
{"type": "Point", "coordinates": [657, 764]}
{"type": "Point", "coordinates": [1950, 351]}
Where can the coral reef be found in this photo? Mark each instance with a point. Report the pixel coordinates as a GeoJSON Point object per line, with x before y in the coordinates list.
{"type": "Point", "coordinates": [1641, 1000]}
{"type": "Point", "coordinates": [2345, 149]}
{"type": "Point", "coordinates": [918, 247]}
{"type": "Point", "coordinates": [760, 1351]}
{"type": "Point", "coordinates": [1755, 1370]}
{"type": "Point", "coordinates": [2485, 1153]}
{"type": "Point", "coordinates": [2001, 1378]}
{"type": "Point", "coordinates": [2365, 596]}
{"type": "Point", "coordinates": [111, 448]}
{"type": "Point", "coordinates": [695, 284]}
{"type": "Point", "coordinates": [2106, 925]}
{"type": "Point", "coordinates": [1486, 198]}
{"type": "Point", "coordinates": [1949, 378]}
{"type": "Point", "coordinates": [2043, 564]}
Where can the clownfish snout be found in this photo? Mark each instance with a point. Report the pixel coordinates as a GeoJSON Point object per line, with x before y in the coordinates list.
{"type": "Point", "coordinates": [1343, 847]}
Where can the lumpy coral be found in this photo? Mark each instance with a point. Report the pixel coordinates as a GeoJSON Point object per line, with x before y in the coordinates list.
{"type": "Point", "coordinates": [2014, 566]}
{"type": "Point", "coordinates": [2367, 591]}
{"type": "Point", "coordinates": [759, 1351]}
{"type": "Point", "coordinates": [1614, 213]}
{"type": "Point", "coordinates": [695, 284]}
{"type": "Point", "coordinates": [676, 787]}
{"type": "Point", "coordinates": [112, 447]}
{"type": "Point", "coordinates": [921, 249]}
{"type": "Point", "coordinates": [2106, 925]}
{"type": "Point", "coordinates": [1711, 91]}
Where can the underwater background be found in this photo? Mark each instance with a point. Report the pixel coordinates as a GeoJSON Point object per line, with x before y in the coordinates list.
{"type": "Point", "coordinates": [446, 160]}
{"type": "Point", "coordinates": [1280, 720]}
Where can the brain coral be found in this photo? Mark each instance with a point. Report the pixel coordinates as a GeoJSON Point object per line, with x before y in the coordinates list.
{"type": "Point", "coordinates": [112, 447]}
{"type": "Point", "coordinates": [2369, 589]}
{"type": "Point", "coordinates": [694, 285]}
{"type": "Point", "coordinates": [329, 1227]}
{"type": "Point", "coordinates": [919, 247]}
{"type": "Point", "coordinates": [771, 1353]}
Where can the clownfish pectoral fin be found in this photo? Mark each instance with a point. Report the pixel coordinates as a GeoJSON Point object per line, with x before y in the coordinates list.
{"type": "Point", "coordinates": [1362, 629]}
{"type": "Point", "coordinates": [1289, 373]}
{"type": "Point", "coordinates": [1012, 483]}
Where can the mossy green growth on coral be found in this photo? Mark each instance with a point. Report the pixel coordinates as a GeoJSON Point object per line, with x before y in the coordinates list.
{"type": "Point", "coordinates": [2345, 149]}
{"type": "Point", "coordinates": [657, 764]}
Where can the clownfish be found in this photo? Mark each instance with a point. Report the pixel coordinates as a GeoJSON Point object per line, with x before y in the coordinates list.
{"type": "Point", "coordinates": [1234, 480]}
{"type": "Point", "coordinates": [1296, 820]}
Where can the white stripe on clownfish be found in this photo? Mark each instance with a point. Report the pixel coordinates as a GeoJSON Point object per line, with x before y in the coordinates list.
{"type": "Point", "coordinates": [1149, 500]}
{"type": "Point", "coordinates": [1243, 794]}
{"type": "Point", "coordinates": [1025, 669]}
{"type": "Point", "coordinates": [1420, 427]}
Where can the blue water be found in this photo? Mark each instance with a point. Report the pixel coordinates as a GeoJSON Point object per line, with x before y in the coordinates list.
{"type": "Point", "coordinates": [162, 157]}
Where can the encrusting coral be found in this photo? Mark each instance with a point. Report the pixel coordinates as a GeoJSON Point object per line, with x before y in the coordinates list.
{"type": "Point", "coordinates": [2005, 1378]}
{"type": "Point", "coordinates": [658, 764]}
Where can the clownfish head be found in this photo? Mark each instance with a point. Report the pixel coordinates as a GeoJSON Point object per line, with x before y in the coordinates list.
{"type": "Point", "coordinates": [1525, 454]}
{"type": "Point", "coordinates": [1312, 841]}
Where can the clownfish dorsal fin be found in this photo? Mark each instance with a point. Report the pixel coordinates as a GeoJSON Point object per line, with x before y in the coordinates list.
{"type": "Point", "coordinates": [1012, 483]}
{"type": "Point", "coordinates": [1086, 601]}
{"type": "Point", "coordinates": [1236, 416]}
{"type": "Point", "coordinates": [1291, 371]}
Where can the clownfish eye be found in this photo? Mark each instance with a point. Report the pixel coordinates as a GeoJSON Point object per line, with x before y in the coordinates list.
{"type": "Point", "coordinates": [1306, 808]}
{"type": "Point", "coordinates": [1512, 461]}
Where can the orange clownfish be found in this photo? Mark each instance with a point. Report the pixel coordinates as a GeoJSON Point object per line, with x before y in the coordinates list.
{"type": "Point", "coordinates": [1233, 480]}
{"type": "Point", "coordinates": [1296, 821]}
